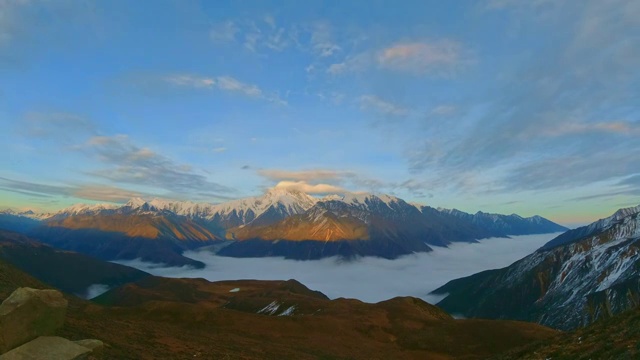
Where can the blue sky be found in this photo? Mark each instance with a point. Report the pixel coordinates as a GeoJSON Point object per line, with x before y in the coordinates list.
{"type": "Point", "coordinates": [499, 105]}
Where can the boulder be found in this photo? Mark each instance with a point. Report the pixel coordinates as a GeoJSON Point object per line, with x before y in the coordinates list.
{"type": "Point", "coordinates": [96, 346]}
{"type": "Point", "coordinates": [29, 313]}
{"type": "Point", "coordinates": [48, 348]}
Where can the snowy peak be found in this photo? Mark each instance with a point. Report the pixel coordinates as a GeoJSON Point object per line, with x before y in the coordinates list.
{"type": "Point", "coordinates": [508, 224]}
{"type": "Point", "coordinates": [288, 201]}
{"type": "Point", "coordinates": [26, 213]}
{"type": "Point", "coordinates": [85, 209]}
{"type": "Point", "coordinates": [135, 203]}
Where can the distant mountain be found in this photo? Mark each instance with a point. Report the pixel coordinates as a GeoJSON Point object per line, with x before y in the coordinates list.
{"type": "Point", "coordinates": [281, 222]}
{"type": "Point", "coordinates": [68, 271]}
{"type": "Point", "coordinates": [18, 222]}
{"type": "Point", "coordinates": [124, 234]}
{"type": "Point", "coordinates": [580, 276]}
{"type": "Point", "coordinates": [508, 224]}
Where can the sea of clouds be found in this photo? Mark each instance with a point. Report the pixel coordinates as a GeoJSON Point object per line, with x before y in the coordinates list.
{"type": "Point", "coordinates": [368, 279]}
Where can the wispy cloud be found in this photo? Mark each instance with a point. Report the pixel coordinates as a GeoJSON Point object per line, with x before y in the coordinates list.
{"type": "Point", "coordinates": [543, 126]}
{"type": "Point", "coordinates": [191, 80]}
{"type": "Point", "coordinates": [255, 34]}
{"type": "Point", "coordinates": [375, 103]}
{"type": "Point", "coordinates": [224, 32]}
{"type": "Point", "coordinates": [225, 83]}
{"type": "Point", "coordinates": [131, 164]}
{"type": "Point", "coordinates": [88, 192]}
{"type": "Point", "coordinates": [316, 189]}
{"type": "Point", "coordinates": [440, 57]}
{"type": "Point", "coordinates": [322, 42]}
{"type": "Point", "coordinates": [231, 84]}
{"type": "Point", "coordinates": [304, 175]}
{"type": "Point", "coordinates": [625, 128]}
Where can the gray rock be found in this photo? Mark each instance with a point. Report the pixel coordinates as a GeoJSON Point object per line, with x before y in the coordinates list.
{"type": "Point", "coordinates": [29, 313]}
{"type": "Point", "coordinates": [48, 348]}
{"type": "Point", "coordinates": [94, 345]}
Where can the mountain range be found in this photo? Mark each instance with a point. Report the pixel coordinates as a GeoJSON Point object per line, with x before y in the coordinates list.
{"type": "Point", "coordinates": [282, 222]}
{"type": "Point", "coordinates": [581, 276]}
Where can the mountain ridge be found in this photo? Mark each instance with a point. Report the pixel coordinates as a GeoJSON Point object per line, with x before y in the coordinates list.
{"type": "Point", "coordinates": [282, 222]}
{"type": "Point", "coordinates": [581, 276]}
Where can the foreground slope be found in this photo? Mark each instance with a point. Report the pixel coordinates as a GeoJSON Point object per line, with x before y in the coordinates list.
{"type": "Point", "coordinates": [581, 276]}
{"type": "Point", "coordinates": [156, 318]}
{"type": "Point", "coordinates": [68, 271]}
{"type": "Point", "coordinates": [283, 319]}
{"type": "Point", "coordinates": [614, 338]}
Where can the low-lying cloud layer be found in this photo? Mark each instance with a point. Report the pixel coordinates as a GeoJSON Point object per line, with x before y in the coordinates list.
{"type": "Point", "coordinates": [367, 279]}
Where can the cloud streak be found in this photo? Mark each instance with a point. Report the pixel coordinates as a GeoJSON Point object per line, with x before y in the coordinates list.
{"type": "Point", "coordinates": [131, 164]}
{"type": "Point", "coordinates": [88, 192]}
{"type": "Point", "coordinates": [563, 119]}
{"type": "Point", "coordinates": [385, 107]}
{"type": "Point", "coordinates": [225, 83]}
{"type": "Point", "coordinates": [442, 57]}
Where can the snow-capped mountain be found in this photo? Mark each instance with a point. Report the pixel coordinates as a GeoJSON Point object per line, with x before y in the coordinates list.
{"type": "Point", "coordinates": [84, 209]}
{"type": "Point", "coordinates": [276, 204]}
{"type": "Point", "coordinates": [578, 277]}
{"type": "Point", "coordinates": [281, 222]}
{"type": "Point", "coordinates": [508, 224]}
{"type": "Point", "coordinates": [26, 214]}
{"type": "Point", "coordinates": [356, 225]}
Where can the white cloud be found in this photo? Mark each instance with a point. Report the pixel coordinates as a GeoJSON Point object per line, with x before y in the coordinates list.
{"type": "Point", "coordinates": [303, 175]}
{"type": "Point", "coordinates": [614, 127]}
{"type": "Point", "coordinates": [368, 279]}
{"type": "Point", "coordinates": [226, 83]}
{"type": "Point", "coordinates": [441, 56]}
{"type": "Point", "coordinates": [232, 84]}
{"type": "Point", "coordinates": [307, 188]}
{"type": "Point", "coordinates": [352, 64]}
{"type": "Point", "coordinates": [372, 102]}
{"type": "Point", "coordinates": [191, 81]}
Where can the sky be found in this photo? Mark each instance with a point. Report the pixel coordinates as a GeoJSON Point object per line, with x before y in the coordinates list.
{"type": "Point", "coordinates": [412, 275]}
{"type": "Point", "coordinates": [506, 106]}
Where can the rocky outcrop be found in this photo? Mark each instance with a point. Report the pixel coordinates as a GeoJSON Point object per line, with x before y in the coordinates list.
{"type": "Point", "coordinates": [27, 318]}
{"type": "Point", "coordinates": [29, 313]}
{"type": "Point", "coordinates": [48, 347]}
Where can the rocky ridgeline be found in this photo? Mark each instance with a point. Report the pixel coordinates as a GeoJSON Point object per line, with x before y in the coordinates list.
{"type": "Point", "coordinates": [28, 319]}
